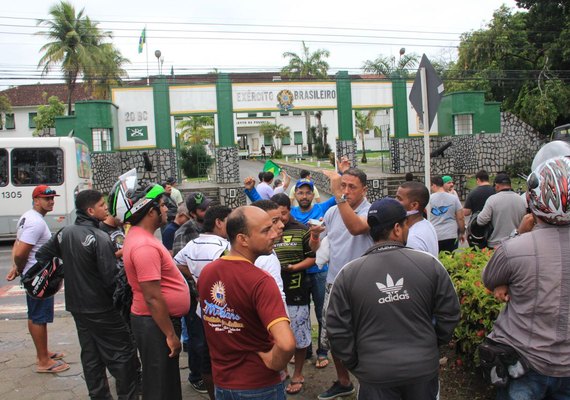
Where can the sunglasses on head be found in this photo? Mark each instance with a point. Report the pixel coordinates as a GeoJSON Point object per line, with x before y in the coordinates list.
{"type": "Point", "coordinates": [49, 192]}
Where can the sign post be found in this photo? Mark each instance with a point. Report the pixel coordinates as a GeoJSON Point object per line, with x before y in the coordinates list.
{"type": "Point", "coordinates": [425, 96]}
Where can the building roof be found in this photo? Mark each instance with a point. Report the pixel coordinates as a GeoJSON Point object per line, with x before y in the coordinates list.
{"type": "Point", "coordinates": [32, 95]}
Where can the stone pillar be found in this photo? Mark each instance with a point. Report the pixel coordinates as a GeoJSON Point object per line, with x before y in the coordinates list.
{"type": "Point", "coordinates": [227, 166]}
{"type": "Point", "coordinates": [347, 148]}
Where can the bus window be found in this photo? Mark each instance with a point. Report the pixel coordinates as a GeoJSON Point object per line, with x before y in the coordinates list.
{"type": "Point", "coordinates": [3, 167]}
{"type": "Point", "coordinates": [37, 166]}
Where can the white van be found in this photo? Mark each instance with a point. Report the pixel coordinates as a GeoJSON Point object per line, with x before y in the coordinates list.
{"type": "Point", "coordinates": [63, 163]}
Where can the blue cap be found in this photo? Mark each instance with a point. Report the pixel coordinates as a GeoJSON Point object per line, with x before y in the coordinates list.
{"type": "Point", "coordinates": [304, 181]}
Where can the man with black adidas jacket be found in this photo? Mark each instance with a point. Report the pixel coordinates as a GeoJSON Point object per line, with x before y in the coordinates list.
{"type": "Point", "coordinates": [90, 278]}
{"type": "Point", "coordinates": [389, 310]}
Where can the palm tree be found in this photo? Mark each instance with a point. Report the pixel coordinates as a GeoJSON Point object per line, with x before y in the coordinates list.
{"type": "Point", "coordinates": [196, 129]}
{"type": "Point", "coordinates": [75, 43]}
{"type": "Point", "coordinates": [109, 73]}
{"type": "Point", "coordinates": [307, 66]}
{"type": "Point", "coordinates": [277, 131]}
{"type": "Point", "coordinates": [388, 66]}
{"type": "Point", "coordinates": [364, 123]}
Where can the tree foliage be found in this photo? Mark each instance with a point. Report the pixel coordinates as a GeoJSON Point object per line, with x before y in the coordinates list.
{"type": "Point", "coordinates": [45, 120]}
{"type": "Point", "coordinates": [276, 131]}
{"type": "Point", "coordinates": [404, 67]}
{"type": "Point", "coordinates": [80, 49]}
{"type": "Point", "coordinates": [364, 123]}
{"type": "Point", "coordinates": [520, 59]}
{"type": "Point", "coordinates": [307, 65]}
{"type": "Point", "coordinates": [196, 129]}
{"type": "Point", "coordinates": [5, 105]}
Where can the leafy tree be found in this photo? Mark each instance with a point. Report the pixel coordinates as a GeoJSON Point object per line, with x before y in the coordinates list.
{"type": "Point", "coordinates": [5, 105]}
{"type": "Point", "coordinates": [365, 123]}
{"type": "Point", "coordinates": [197, 130]}
{"type": "Point", "coordinates": [307, 66]}
{"type": "Point", "coordinates": [195, 161]}
{"type": "Point", "coordinates": [517, 60]}
{"type": "Point", "coordinates": [276, 131]}
{"type": "Point", "coordinates": [387, 66]}
{"type": "Point", "coordinates": [78, 46]}
{"type": "Point", "coordinates": [109, 71]}
{"type": "Point", "coordinates": [45, 120]}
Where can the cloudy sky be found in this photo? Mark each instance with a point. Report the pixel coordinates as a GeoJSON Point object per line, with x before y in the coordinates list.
{"type": "Point", "coordinates": [248, 35]}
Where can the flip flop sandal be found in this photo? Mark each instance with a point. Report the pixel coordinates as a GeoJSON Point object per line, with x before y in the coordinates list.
{"type": "Point", "coordinates": [59, 366]}
{"type": "Point", "coordinates": [57, 355]}
{"type": "Point", "coordinates": [289, 389]}
{"type": "Point", "coordinates": [321, 362]}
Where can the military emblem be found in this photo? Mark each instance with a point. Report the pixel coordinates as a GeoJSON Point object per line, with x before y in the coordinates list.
{"type": "Point", "coordinates": [285, 98]}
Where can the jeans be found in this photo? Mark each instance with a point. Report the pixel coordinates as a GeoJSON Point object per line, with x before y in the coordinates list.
{"type": "Point", "coordinates": [535, 386]}
{"type": "Point", "coordinates": [317, 282]}
{"type": "Point", "coordinates": [275, 392]}
{"type": "Point", "coordinates": [106, 344]}
{"type": "Point", "coordinates": [161, 374]}
{"type": "Point", "coordinates": [196, 340]}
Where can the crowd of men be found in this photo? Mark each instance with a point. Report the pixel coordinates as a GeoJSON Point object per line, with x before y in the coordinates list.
{"type": "Point", "coordinates": [241, 283]}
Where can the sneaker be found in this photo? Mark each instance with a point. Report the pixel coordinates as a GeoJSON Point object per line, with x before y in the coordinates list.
{"type": "Point", "coordinates": [337, 390]}
{"type": "Point", "coordinates": [199, 386]}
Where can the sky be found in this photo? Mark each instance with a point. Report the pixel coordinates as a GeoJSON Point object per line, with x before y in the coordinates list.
{"type": "Point", "coordinates": [247, 35]}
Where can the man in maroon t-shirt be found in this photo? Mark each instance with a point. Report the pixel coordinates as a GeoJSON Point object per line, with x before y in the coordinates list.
{"type": "Point", "coordinates": [245, 321]}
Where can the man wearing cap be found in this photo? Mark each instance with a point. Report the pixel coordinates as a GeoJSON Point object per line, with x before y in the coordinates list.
{"type": "Point", "coordinates": [505, 210]}
{"type": "Point", "coordinates": [31, 234]}
{"type": "Point", "coordinates": [448, 185]}
{"type": "Point", "coordinates": [304, 174]}
{"type": "Point", "coordinates": [175, 193]}
{"type": "Point", "coordinates": [389, 310]}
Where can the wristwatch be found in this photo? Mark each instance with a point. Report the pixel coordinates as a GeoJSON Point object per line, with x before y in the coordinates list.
{"type": "Point", "coordinates": [341, 200]}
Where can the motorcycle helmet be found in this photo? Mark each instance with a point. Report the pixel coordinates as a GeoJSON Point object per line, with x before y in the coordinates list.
{"type": "Point", "coordinates": [549, 189]}
{"type": "Point", "coordinates": [126, 199]}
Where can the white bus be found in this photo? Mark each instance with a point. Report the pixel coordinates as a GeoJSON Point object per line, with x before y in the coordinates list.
{"type": "Point", "coordinates": [63, 163]}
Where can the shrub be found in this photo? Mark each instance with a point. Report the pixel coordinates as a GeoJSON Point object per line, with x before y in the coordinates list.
{"type": "Point", "coordinates": [195, 161]}
{"type": "Point", "coordinates": [278, 154]}
{"type": "Point", "coordinates": [479, 308]}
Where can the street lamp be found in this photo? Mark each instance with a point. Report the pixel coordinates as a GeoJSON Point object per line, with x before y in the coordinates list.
{"type": "Point", "coordinates": [159, 60]}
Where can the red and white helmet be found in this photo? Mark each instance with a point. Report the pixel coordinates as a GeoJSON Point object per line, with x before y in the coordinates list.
{"type": "Point", "coordinates": [549, 190]}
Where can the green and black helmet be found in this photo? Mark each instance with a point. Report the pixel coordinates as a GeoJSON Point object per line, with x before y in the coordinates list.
{"type": "Point", "coordinates": [127, 200]}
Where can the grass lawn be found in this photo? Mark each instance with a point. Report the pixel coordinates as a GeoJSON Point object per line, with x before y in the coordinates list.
{"type": "Point", "coordinates": [518, 184]}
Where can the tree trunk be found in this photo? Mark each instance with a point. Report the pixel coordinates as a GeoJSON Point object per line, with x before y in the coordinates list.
{"type": "Point", "coordinates": [363, 160]}
{"type": "Point", "coordinates": [308, 130]}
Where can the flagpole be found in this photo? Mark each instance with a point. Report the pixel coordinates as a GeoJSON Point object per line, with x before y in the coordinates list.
{"type": "Point", "coordinates": [146, 45]}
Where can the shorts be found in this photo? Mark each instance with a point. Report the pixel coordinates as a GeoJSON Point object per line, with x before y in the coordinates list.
{"type": "Point", "coordinates": [40, 311]}
{"type": "Point", "coordinates": [301, 325]}
{"type": "Point", "coordinates": [325, 344]}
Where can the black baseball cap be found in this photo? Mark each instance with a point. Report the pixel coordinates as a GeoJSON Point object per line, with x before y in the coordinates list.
{"type": "Point", "coordinates": [197, 200]}
{"type": "Point", "coordinates": [384, 213]}
{"type": "Point", "coordinates": [502, 178]}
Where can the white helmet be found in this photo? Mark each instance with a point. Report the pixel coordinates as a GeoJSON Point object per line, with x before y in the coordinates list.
{"type": "Point", "coordinates": [549, 190]}
{"type": "Point", "coordinates": [126, 199]}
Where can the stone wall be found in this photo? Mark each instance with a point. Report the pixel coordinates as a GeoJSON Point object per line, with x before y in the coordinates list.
{"type": "Point", "coordinates": [108, 166]}
{"type": "Point", "coordinates": [517, 142]}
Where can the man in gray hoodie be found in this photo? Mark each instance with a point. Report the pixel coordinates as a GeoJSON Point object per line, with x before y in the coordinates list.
{"type": "Point", "coordinates": [402, 305]}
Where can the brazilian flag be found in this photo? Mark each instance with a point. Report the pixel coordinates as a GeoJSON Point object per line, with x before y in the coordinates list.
{"type": "Point", "coordinates": [270, 166]}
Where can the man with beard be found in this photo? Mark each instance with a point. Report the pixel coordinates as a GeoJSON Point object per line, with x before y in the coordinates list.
{"type": "Point", "coordinates": [246, 325]}
{"type": "Point", "coordinates": [197, 203]}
